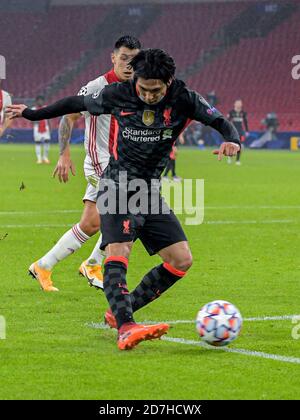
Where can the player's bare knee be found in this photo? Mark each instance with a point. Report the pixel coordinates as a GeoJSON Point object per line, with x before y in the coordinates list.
{"type": "Point", "coordinates": [184, 262]}
{"type": "Point", "coordinates": [90, 227]}
{"type": "Point", "coordinates": [122, 249]}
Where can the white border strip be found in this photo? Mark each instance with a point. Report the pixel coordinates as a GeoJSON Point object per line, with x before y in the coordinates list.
{"type": "Point", "coordinates": [210, 222]}
{"type": "Point", "coordinates": [244, 352]}
{"type": "Point", "coordinates": [101, 325]}
{"type": "Point", "coordinates": [270, 356]}
{"type": "Point", "coordinates": [254, 207]}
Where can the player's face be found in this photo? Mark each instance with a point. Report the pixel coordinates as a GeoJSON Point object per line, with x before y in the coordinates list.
{"type": "Point", "coordinates": [121, 59]}
{"type": "Point", "coordinates": [40, 102]}
{"type": "Point", "coordinates": [151, 91]}
{"type": "Point", "coordinates": [238, 105]}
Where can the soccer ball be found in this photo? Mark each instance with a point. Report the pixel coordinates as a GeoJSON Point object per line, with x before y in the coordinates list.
{"type": "Point", "coordinates": [219, 323]}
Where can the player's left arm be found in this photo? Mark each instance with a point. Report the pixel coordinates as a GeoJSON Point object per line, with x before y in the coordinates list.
{"type": "Point", "coordinates": [200, 110]}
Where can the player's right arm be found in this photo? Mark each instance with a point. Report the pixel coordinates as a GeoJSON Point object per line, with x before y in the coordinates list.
{"type": "Point", "coordinates": [65, 163]}
{"type": "Point", "coordinates": [69, 105]}
{"type": "Point", "coordinates": [96, 104]}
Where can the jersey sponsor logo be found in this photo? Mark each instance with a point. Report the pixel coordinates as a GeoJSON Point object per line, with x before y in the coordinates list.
{"type": "Point", "coordinates": [167, 134]}
{"type": "Point", "coordinates": [148, 117]}
{"type": "Point", "coordinates": [141, 136]}
{"type": "Point", "coordinates": [124, 113]}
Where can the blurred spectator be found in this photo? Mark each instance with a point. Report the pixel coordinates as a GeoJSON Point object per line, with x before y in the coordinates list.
{"type": "Point", "coordinates": [192, 135]}
{"type": "Point", "coordinates": [212, 98]}
{"type": "Point", "coordinates": [271, 123]}
{"type": "Point", "coordinates": [238, 117]}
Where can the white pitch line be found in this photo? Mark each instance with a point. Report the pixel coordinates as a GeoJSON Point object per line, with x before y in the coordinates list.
{"type": "Point", "coordinates": [101, 325]}
{"type": "Point", "coordinates": [254, 207]}
{"type": "Point", "coordinates": [248, 222]}
{"type": "Point", "coordinates": [17, 213]}
{"type": "Point", "coordinates": [210, 222]}
{"type": "Point", "coordinates": [276, 357]}
{"type": "Point", "coordinates": [46, 226]}
{"type": "Point", "coordinates": [245, 352]}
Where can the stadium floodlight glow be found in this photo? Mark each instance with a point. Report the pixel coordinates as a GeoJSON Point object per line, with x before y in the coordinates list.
{"type": "Point", "coordinates": [2, 67]}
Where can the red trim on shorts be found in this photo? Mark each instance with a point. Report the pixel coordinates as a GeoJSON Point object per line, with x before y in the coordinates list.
{"type": "Point", "coordinates": [173, 270]}
{"type": "Point", "coordinates": [120, 259]}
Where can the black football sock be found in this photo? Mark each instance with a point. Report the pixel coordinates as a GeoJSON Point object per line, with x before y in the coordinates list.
{"type": "Point", "coordinates": [168, 168]}
{"type": "Point", "coordinates": [115, 289]}
{"type": "Point", "coordinates": [173, 168]}
{"type": "Point", "coordinates": [156, 282]}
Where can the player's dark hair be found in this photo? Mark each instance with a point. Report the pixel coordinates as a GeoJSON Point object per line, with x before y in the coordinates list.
{"type": "Point", "coordinates": [129, 42]}
{"type": "Point", "coordinates": [153, 64]}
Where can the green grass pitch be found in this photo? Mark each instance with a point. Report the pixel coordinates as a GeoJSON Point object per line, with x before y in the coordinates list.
{"type": "Point", "coordinates": [246, 251]}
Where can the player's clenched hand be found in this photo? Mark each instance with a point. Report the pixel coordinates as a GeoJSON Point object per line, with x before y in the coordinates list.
{"type": "Point", "coordinates": [227, 149]}
{"type": "Point", "coordinates": [15, 111]}
{"type": "Point", "coordinates": [62, 168]}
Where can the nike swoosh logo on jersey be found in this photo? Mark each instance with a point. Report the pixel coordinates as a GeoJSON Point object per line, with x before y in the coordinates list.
{"type": "Point", "coordinates": [124, 113]}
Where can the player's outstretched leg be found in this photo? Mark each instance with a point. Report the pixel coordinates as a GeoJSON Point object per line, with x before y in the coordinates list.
{"type": "Point", "coordinates": [130, 334]}
{"type": "Point", "coordinates": [46, 151]}
{"type": "Point", "coordinates": [38, 152]}
{"type": "Point", "coordinates": [154, 283]}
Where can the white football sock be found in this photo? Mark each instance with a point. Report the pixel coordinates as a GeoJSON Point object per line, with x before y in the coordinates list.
{"type": "Point", "coordinates": [46, 149]}
{"type": "Point", "coordinates": [97, 254]}
{"type": "Point", "coordinates": [38, 151]}
{"type": "Point", "coordinates": [67, 245]}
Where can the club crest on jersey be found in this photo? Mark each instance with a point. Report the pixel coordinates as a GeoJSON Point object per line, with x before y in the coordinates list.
{"type": "Point", "coordinates": [148, 117]}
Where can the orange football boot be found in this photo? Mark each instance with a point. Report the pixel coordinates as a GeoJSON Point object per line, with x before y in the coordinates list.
{"type": "Point", "coordinates": [43, 277]}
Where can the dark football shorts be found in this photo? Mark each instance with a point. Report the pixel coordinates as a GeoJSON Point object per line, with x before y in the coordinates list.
{"type": "Point", "coordinates": [155, 231]}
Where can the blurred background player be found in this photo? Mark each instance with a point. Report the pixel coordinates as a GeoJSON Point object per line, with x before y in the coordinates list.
{"type": "Point", "coordinates": [5, 100]}
{"type": "Point", "coordinates": [41, 134]}
{"type": "Point", "coordinates": [98, 139]}
{"type": "Point", "coordinates": [239, 119]}
{"type": "Point", "coordinates": [172, 162]}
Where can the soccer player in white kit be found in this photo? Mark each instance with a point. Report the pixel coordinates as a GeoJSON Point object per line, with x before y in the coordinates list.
{"type": "Point", "coordinates": [41, 134]}
{"type": "Point", "coordinates": [98, 140]}
{"type": "Point", "coordinates": [5, 100]}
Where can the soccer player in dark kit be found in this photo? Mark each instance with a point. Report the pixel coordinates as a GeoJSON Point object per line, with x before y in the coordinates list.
{"type": "Point", "coordinates": [151, 111]}
{"type": "Point", "coordinates": [238, 117]}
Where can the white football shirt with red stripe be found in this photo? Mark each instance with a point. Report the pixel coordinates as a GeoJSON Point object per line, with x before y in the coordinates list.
{"type": "Point", "coordinates": [41, 129]}
{"type": "Point", "coordinates": [99, 130]}
{"type": "Point", "coordinates": [5, 100]}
